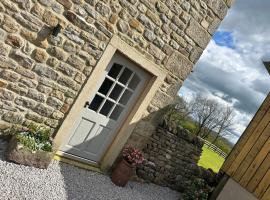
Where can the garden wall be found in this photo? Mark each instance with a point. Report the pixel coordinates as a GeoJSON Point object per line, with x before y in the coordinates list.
{"type": "Point", "coordinates": [172, 155]}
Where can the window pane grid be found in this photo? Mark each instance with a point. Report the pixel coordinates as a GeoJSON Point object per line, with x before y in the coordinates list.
{"type": "Point", "coordinates": [112, 79]}
{"type": "Point", "coordinates": [115, 101]}
{"type": "Point", "coordinates": [108, 98]}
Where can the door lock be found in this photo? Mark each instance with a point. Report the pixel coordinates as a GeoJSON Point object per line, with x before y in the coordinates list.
{"type": "Point", "coordinates": [86, 104]}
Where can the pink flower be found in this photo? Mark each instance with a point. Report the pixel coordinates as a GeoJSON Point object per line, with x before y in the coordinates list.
{"type": "Point", "coordinates": [132, 155]}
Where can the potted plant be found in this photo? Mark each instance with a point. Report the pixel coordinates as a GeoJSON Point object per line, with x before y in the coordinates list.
{"type": "Point", "coordinates": [31, 146]}
{"type": "Point", "coordinates": [131, 158]}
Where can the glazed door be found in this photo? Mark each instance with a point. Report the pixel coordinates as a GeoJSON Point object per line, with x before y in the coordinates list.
{"type": "Point", "coordinates": [107, 108]}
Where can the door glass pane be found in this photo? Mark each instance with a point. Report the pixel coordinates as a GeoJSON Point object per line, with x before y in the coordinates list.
{"type": "Point", "coordinates": [96, 102]}
{"type": "Point", "coordinates": [125, 76]}
{"type": "Point", "coordinates": [106, 86]}
{"type": "Point", "coordinates": [134, 82]}
{"type": "Point", "coordinates": [107, 107]}
{"type": "Point", "coordinates": [116, 112]}
{"type": "Point", "coordinates": [125, 97]}
{"type": "Point", "coordinates": [115, 70]}
{"type": "Point", "coordinates": [116, 92]}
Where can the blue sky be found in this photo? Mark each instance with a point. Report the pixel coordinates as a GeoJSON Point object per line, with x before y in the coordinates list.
{"type": "Point", "coordinates": [224, 38]}
{"type": "Point", "coordinates": [230, 70]}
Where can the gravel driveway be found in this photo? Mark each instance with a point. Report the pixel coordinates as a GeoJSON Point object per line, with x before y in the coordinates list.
{"type": "Point", "coordinates": [62, 181]}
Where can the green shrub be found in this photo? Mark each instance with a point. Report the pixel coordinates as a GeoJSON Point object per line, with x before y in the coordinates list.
{"type": "Point", "coordinates": [35, 138]}
{"type": "Point", "coordinates": [198, 190]}
{"type": "Point", "coordinates": [190, 126]}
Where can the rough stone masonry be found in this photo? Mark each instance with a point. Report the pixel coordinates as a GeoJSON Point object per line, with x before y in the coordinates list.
{"type": "Point", "coordinates": [41, 75]}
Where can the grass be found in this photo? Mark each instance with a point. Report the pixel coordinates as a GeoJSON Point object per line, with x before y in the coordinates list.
{"type": "Point", "coordinates": [210, 159]}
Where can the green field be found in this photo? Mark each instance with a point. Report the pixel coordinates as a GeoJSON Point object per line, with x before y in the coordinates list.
{"type": "Point", "coordinates": [210, 159]}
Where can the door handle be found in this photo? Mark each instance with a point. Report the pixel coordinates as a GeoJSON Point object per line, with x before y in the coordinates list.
{"type": "Point", "coordinates": [86, 104]}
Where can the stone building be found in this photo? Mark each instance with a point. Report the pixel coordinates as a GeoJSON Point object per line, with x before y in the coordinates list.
{"type": "Point", "coordinates": [98, 72]}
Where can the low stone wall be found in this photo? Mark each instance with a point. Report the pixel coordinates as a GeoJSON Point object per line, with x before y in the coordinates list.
{"type": "Point", "coordinates": [172, 156]}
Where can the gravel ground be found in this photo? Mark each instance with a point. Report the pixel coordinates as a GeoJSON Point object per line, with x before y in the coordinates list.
{"type": "Point", "coordinates": [62, 181]}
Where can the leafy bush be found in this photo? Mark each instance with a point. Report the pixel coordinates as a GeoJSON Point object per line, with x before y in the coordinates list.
{"type": "Point", "coordinates": [198, 190]}
{"type": "Point", "coordinates": [188, 125]}
{"type": "Point", "coordinates": [35, 138]}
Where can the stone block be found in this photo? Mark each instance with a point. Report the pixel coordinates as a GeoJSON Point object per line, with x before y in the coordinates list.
{"type": "Point", "coordinates": [28, 82]}
{"type": "Point", "coordinates": [196, 32]}
{"type": "Point", "coordinates": [195, 54]}
{"type": "Point", "coordinates": [43, 70]}
{"type": "Point", "coordinates": [214, 25]}
{"type": "Point", "coordinates": [3, 83]}
{"type": "Point", "coordinates": [21, 90]}
{"type": "Point", "coordinates": [15, 41]}
{"type": "Point", "coordinates": [34, 117]}
{"type": "Point", "coordinates": [29, 21]}
{"type": "Point", "coordinates": [58, 94]}
{"type": "Point", "coordinates": [161, 99]}
{"type": "Point", "coordinates": [103, 9]}
{"type": "Point", "coordinates": [4, 49]}
{"type": "Point", "coordinates": [34, 94]}
{"type": "Point", "coordinates": [146, 22]}
{"type": "Point", "coordinates": [156, 52]}
{"type": "Point", "coordinates": [28, 35]}
{"type": "Point", "coordinates": [54, 102]}
{"type": "Point", "coordinates": [66, 69]}
{"type": "Point", "coordinates": [6, 95]}
{"type": "Point", "coordinates": [25, 102]}
{"type": "Point", "coordinates": [80, 78]}
{"type": "Point", "coordinates": [66, 3]}
{"type": "Point", "coordinates": [37, 10]}
{"type": "Point", "coordinates": [68, 82]}
{"type": "Point", "coordinates": [43, 110]}
{"type": "Point", "coordinates": [13, 117]}
{"type": "Point", "coordinates": [40, 55]}
{"type": "Point", "coordinates": [76, 62]}
{"type": "Point", "coordinates": [179, 65]}
{"type": "Point", "coordinates": [149, 35]}
{"type": "Point", "coordinates": [50, 18]}
{"type": "Point", "coordinates": [22, 59]}
{"type": "Point", "coordinates": [122, 26]}
{"type": "Point", "coordinates": [57, 115]}
{"type": "Point", "coordinates": [10, 25]}
{"type": "Point", "coordinates": [219, 7]}
{"type": "Point", "coordinates": [44, 89]}
{"type": "Point", "coordinates": [103, 29]}
{"type": "Point", "coordinates": [73, 35]}
{"type": "Point", "coordinates": [80, 22]}
{"type": "Point", "coordinates": [9, 75]}
{"type": "Point", "coordinates": [51, 123]}
{"type": "Point", "coordinates": [25, 72]}
{"type": "Point", "coordinates": [58, 53]}
{"type": "Point", "coordinates": [154, 17]}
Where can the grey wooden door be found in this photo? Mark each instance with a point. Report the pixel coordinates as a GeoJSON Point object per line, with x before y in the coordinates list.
{"type": "Point", "coordinates": [108, 106]}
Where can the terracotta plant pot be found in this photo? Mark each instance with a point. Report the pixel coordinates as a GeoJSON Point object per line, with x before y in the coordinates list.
{"type": "Point", "coordinates": [20, 155]}
{"type": "Point", "coordinates": [122, 173]}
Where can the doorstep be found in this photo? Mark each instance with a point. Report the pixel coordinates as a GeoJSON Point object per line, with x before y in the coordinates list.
{"type": "Point", "coordinates": [77, 163]}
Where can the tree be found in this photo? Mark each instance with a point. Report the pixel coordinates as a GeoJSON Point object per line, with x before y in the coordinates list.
{"type": "Point", "coordinates": [224, 123]}
{"type": "Point", "coordinates": [177, 111]}
{"type": "Point", "coordinates": [204, 112]}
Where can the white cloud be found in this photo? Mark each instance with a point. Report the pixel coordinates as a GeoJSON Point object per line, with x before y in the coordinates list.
{"type": "Point", "coordinates": [236, 76]}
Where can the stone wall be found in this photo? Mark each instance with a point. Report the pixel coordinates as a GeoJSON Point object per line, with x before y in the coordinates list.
{"type": "Point", "coordinates": [171, 157]}
{"type": "Point", "coordinates": [41, 75]}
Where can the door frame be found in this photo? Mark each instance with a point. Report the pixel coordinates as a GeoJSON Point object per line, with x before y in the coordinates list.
{"type": "Point", "coordinates": [157, 76]}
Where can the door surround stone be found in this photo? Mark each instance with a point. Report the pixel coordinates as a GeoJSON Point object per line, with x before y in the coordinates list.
{"type": "Point", "coordinates": [157, 77]}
